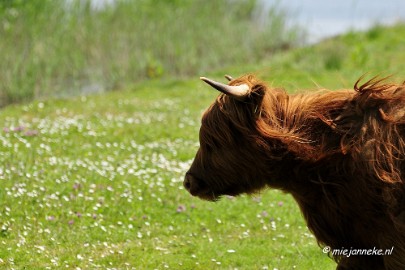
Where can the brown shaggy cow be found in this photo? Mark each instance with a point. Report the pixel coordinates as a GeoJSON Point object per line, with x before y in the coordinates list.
{"type": "Point", "coordinates": [341, 154]}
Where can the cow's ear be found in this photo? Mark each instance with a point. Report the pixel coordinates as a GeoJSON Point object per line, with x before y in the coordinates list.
{"type": "Point", "coordinates": [256, 94]}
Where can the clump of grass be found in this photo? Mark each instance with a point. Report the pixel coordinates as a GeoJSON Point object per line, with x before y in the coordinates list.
{"type": "Point", "coordinates": [57, 47]}
{"type": "Point", "coordinates": [333, 56]}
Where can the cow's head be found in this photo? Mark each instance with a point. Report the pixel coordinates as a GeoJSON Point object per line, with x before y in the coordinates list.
{"type": "Point", "coordinates": [230, 158]}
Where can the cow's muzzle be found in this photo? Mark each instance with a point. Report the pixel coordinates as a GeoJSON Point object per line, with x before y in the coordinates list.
{"type": "Point", "coordinates": [198, 188]}
{"type": "Point", "coordinates": [191, 184]}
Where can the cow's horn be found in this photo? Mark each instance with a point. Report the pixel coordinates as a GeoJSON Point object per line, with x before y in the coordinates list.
{"type": "Point", "coordinates": [228, 77]}
{"type": "Point", "coordinates": [236, 91]}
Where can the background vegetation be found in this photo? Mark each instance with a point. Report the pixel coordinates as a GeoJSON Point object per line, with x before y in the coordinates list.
{"type": "Point", "coordinates": [95, 181]}
{"type": "Point", "coordinates": [62, 48]}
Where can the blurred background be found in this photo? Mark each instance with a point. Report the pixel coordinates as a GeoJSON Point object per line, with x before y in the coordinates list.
{"type": "Point", "coordinates": [67, 47]}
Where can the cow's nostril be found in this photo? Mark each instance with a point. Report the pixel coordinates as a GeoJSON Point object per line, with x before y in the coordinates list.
{"type": "Point", "coordinates": [187, 182]}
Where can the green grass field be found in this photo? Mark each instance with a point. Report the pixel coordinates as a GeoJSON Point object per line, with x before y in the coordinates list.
{"type": "Point", "coordinates": [95, 182]}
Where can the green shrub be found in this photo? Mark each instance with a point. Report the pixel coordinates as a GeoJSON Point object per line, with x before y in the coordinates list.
{"type": "Point", "coordinates": [56, 47]}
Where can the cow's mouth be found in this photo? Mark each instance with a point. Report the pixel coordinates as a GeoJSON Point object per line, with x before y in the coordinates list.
{"type": "Point", "coordinates": [209, 196]}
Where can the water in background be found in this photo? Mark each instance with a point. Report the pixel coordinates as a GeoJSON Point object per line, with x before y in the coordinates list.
{"type": "Point", "coordinates": [328, 18]}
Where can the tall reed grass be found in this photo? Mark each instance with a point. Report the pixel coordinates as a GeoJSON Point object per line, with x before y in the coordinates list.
{"type": "Point", "coordinates": [59, 47]}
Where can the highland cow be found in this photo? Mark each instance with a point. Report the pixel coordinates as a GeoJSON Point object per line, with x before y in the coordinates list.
{"type": "Point", "coordinates": [340, 154]}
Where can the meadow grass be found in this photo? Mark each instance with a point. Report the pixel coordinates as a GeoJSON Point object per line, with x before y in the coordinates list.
{"type": "Point", "coordinates": [95, 182]}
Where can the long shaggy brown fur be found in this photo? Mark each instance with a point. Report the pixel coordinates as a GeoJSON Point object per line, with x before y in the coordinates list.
{"type": "Point", "coordinates": [341, 154]}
